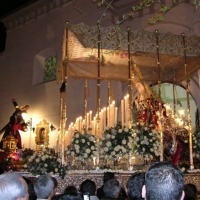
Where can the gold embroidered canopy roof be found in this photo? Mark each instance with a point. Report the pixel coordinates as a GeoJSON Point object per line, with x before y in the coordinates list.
{"type": "Point", "coordinates": [82, 52]}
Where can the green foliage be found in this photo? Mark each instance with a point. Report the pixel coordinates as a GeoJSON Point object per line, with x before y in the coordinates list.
{"type": "Point", "coordinates": [101, 3]}
{"type": "Point", "coordinates": [164, 9]}
{"type": "Point", "coordinates": [196, 4]}
{"type": "Point", "coordinates": [156, 18]}
{"type": "Point", "coordinates": [159, 16]}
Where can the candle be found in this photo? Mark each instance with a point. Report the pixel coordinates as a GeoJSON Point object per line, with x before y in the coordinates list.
{"type": "Point", "coordinates": [94, 119]}
{"type": "Point", "coordinates": [116, 110]}
{"type": "Point", "coordinates": [108, 116]}
{"type": "Point", "coordinates": [93, 127]}
{"type": "Point", "coordinates": [122, 112]}
{"type": "Point", "coordinates": [76, 124]}
{"type": "Point", "coordinates": [90, 121]}
{"type": "Point", "coordinates": [66, 138]}
{"type": "Point", "coordinates": [100, 123]}
{"type": "Point", "coordinates": [94, 162]}
{"type": "Point", "coordinates": [87, 121]}
{"type": "Point", "coordinates": [80, 124]}
{"type": "Point", "coordinates": [111, 116]}
{"type": "Point", "coordinates": [83, 124]}
{"type": "Point", "coordinates": [126, 109]}
{"type": "Point", "coordinates": [104, 119]}
{"type": "Point", "coordinates": [71, 131]}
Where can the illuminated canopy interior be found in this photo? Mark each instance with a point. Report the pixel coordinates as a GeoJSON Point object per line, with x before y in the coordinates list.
{"type": "Point", "coordinates": [114, 55]}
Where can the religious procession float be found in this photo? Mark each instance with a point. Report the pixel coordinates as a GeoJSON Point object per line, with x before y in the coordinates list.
{"type": "Point", "coordinates": [124, 138]}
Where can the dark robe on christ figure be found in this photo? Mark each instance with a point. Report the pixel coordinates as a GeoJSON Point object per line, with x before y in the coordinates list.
{"type": "Point", "coordinates": [15, 124]}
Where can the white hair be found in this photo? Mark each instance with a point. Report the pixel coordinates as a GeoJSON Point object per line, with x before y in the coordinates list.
{"type": "Point", "coordinates": [12, 186]}
{"type": "Point", "coordinates": [43, 186]}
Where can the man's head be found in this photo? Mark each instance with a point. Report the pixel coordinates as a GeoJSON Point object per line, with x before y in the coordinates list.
{"type": "Point", "coordinates": [163, 181]}
{"type": "Point", "coordinates": [107, 176]}
{"type": "Point", "coordinates": [71, 190]}
{"type": "Point", "coordinates": [43, 187]}
{"type": "Point", "coordinates": [70, 197]}
{"type": "Point", "coordinates": [13, 187]}
{"type": "Point", "coordinates": [1, 170]}
{"type": "Point", "coordinates": [190, 191]}
{"type": "Point", "coordinates": [111, 189]}
{"type": "Point", "coordinates": [135, 183]}
{"type": "Point", "coordinates": [88, 186]}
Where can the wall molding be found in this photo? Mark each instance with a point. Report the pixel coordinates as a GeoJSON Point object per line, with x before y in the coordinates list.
{"type": "Point", "coordinates": [28, 14]}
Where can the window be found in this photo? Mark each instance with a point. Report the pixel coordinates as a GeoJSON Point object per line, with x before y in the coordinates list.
{"type": "Point", "coordinates": [50, 69]}
{"type": "Point", "coordinates": [44, 66]}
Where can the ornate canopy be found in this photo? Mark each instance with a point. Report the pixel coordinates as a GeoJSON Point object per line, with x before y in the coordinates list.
{"type": "Point", "coordinates": [82, 52]}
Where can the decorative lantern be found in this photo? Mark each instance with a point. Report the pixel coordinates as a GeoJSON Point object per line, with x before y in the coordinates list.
{"type": "Point", "coordinates": [9, 143]}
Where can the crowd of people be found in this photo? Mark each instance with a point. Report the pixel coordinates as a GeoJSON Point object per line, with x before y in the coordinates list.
{"type": "Point", "coordinates": [162, 181]}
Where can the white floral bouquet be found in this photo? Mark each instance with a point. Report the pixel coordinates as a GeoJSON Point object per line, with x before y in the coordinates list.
{"type": "Point", "coordinates": [116, 142]}
{"type": "Point", "coordinates": [45, 162]}
{"type": "Point", "coordinates": [83, 146]}
{"type": "Point", "coordinates": [146, 142]}
{"type": "Point", "coordinates": [196, 143]}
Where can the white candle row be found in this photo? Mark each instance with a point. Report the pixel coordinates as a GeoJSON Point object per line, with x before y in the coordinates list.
{"type": "Point", "coordinates": [112, 114]}
{"type": "Point", "coordinates": [107, 117]}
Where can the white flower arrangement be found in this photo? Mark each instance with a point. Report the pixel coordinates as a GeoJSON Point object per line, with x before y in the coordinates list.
{"type": "Point", "coordinates": [116, 142]}
{"type": "Point", "coordinates": [146, 142]}
{"type": "Point", "coordinates": [45, 162]}
{"type": "Point", "coordinates": [83, 146]}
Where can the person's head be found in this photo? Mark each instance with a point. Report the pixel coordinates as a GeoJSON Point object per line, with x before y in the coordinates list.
{"type": "Point", "coordinates": [71, 190]}
{"type": "Point", "coordinates": [111, 189]}
{"type": "Point", "coordinates": [192, 187]}
{"type": "Point", "coordinates": [190, 191]}
{"type": "Point", "coordinates": [107, 176]}
{"type": "Point", "coordinates": [70, 197]}
{"type": "Point", "coordinates": [1, 170]}
{"type": "Point", "coordinates": [134, 186]}
{"type": "Point", "coordinates": [13, 187]}
{"type": "Point", "coordinates": [163, 181]}
{"type": "Point", "coordinates": [43, 187]}
{"type": "Point", "coordinates": [88, 186]}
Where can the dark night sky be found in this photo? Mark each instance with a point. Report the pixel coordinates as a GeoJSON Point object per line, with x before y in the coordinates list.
{"type": "Point", "coordinates": [8, 7]}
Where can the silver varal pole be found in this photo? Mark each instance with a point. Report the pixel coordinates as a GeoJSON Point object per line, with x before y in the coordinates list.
{"type": "Point", "coordinates": [130, 103]}
{"type": "Point", "coordinates": [65, 72]}
{"type": "Point", "coordinates": [188, 104]}
{"type": "Point", "coordinates": [159, 93]}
